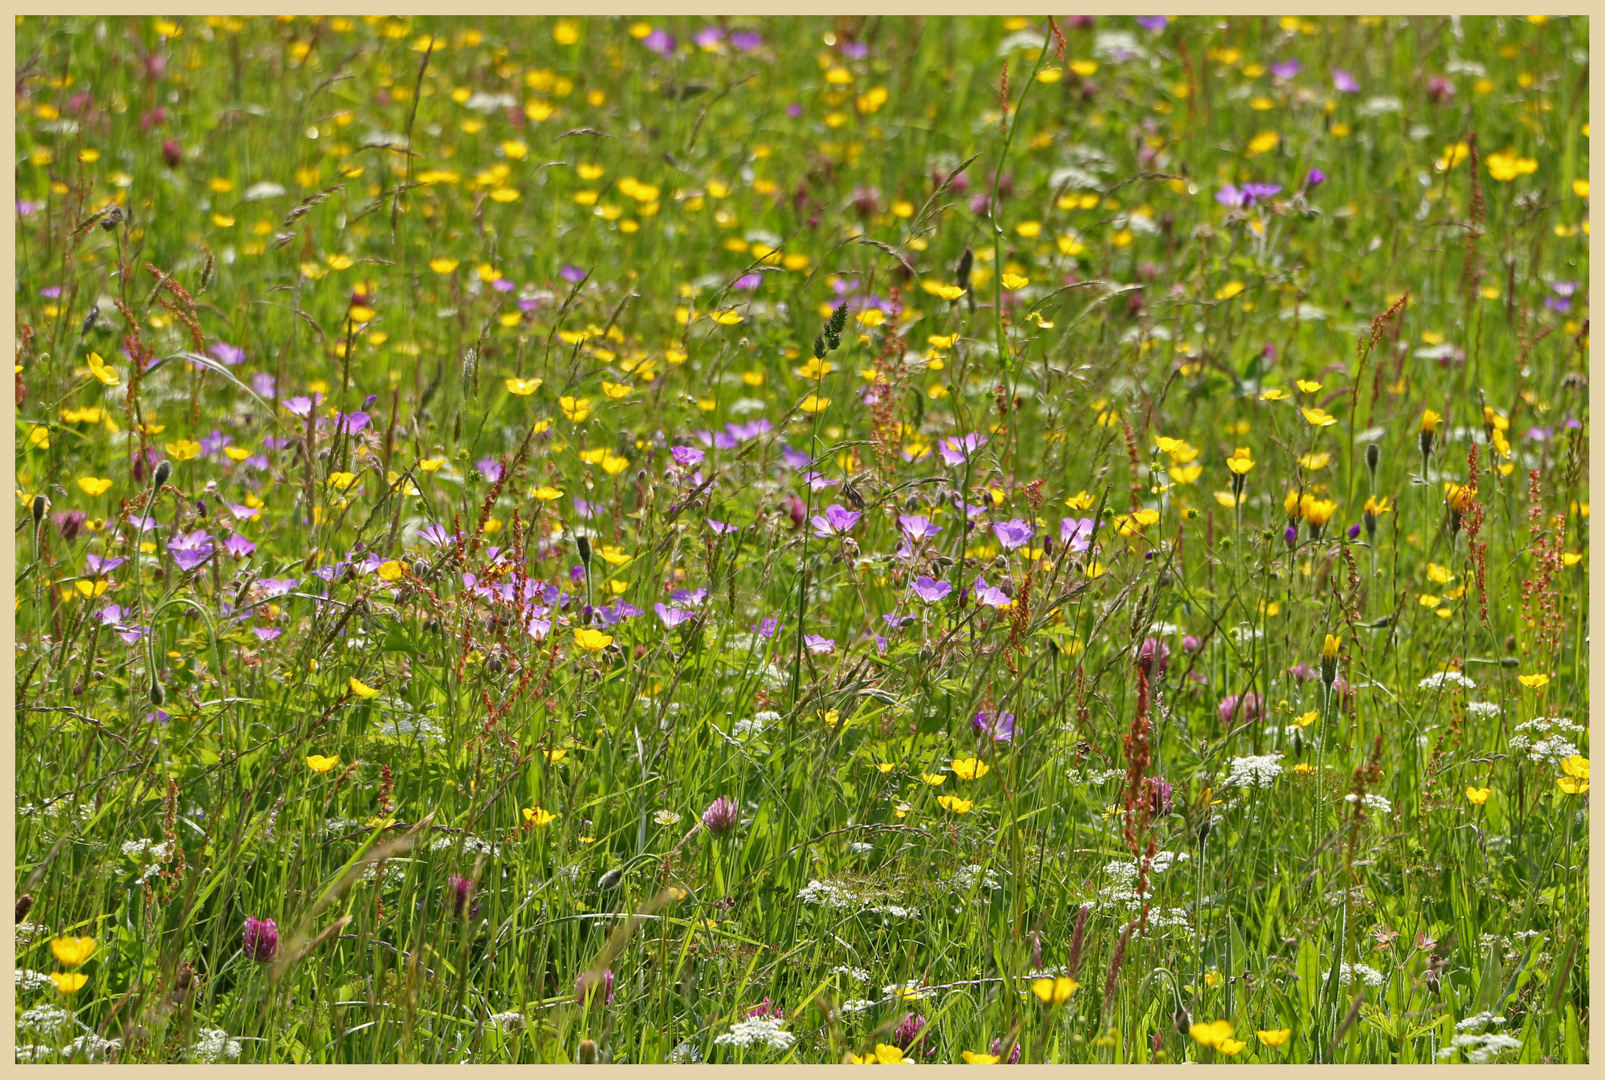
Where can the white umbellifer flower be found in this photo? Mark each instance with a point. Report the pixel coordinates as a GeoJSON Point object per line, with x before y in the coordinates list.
{"type": "Point", "coordinates": [860, 848]}
{"type": "Point", "coordinates": [966, 877]}
{"type": "Point", "coordinates": [851, 972]}
{"type": "Point", "coordinates": [1445, 678]}
{"type": "Point", "coordinates": [827, 894]}
{"type": "Point", "coordinates": [1484, 708]}
{"type": "Point", "coordinates": [1479, 1021]}
{"type": "Point", "coordinates": [1549, 725]}
{"type": "Point", "coordinates": [91, 1046]}
{"type": "Point", "coordinates": [857, 1005]}
{"type": "Point", "coordinates": [510, 1022]}
{"type": "Point", "coordinates": [1481, 1049]}
{"type": "Point", "coordinates": [666, 817]}
{"type": "Point", "coordinates": [45, 1020]}
{"type": "Point", "coordinates": [29, 932]}
{"type": "Point", "coordinates": [423, 728]}
{"type": "Point", "coordinates": [31, 980]}
{"type": "Point", "coordinates": [755, 1030]}
{"type": "Point", "coordinates": [1348, 973]}
{"type": "Point", "coordinates": [745, 728]}
{"type": "Point", "coordinates": [214, 1043]}
{"type": "Point", "coordinates": [1374, 803]}
{"type": "Point", "coordinates": [1552, 750]}
{"type": "Point", "coordinates": [1251, 771]}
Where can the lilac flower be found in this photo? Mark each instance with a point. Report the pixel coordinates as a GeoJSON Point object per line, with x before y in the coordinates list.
{"type": "Point", "coordinates": [1563, 288]}
{"type": "Point", "coordinates": [672, 616]}
{"type": "Point", "coordinates": [264, 384]}
{"type": "Point", "coordinates": [302, 406]}
{"type": "Point", "coordinates": [99, 566]}
{"type": "Point", "coordinates": [1014, 533]}
{"type": "Point", "coordinates": [837, 520]}
{"type": "Point", "coordinates": [272, 587]}
{"type": "Point", "coordinates": [266, 633]}
{"type": "Point", "coordinates": [794, 458]}
{"type": "Point", "coordinates": [956, 451]}
{"type": "Point", "coordinates": [1159, 795]}
{"type": "Point", "coordinates": [990, 595]}
{"type": "Point", "coordinates": [1231, 196]}
{"type": "Point", "coordinates": [747, 282]}
{"type": "Point", "coordinates": [917, 527]}
{"type": "Point", "coordinates": [1154, 23]}
{"type": "Point", "coordinates": [1191, 644]}
{"type": "Point", "coordinates": [722, 527]}
{"type": "Point", "coordinates": [189, 550]}
{"type": "Point", "coordinates": [794, 110]}
{"type": "Point", "coordinates": [930, 590]}
{"type": "Point", "coordinates": [1314, 180]}
{"type": "Point", "coordinates": [351, 423]}
{"type": "Point", "coordinates": [708, 38]}
{"type": "Point", "coordinates": [745, 40]}
{"type": "Point", "coordinates": [659, 41]}
{"type": "Point", "coordinates": [687, 455]}
{"type": "Point", "coordinates": [489, 468]}
{"type": "Point", "coordinates": [1243, 708]}
{"type": "Point", "coordinates": [1344, 82]}
{"type": "Point", "coordinates": [261, 939]}
{"type": "Point", "coordinates": [594, 985]}
{"type": "Point", "coordinates": [767, 628]}
{"type": "Point", "coordinates": [435, 535]}
{"type": "Point", "coordinates": [998, 727]}
{"type": "Point", "coordinates": [1076, 534]}
{"type": "Point", "coordinates": [571, 274]}
{"type": "Point", "coordinates": [238, 546]}
{"type": "Point", "coordinates": [501, 284]}
{"type": "Point", "coordinates": [853, 50]}
{"type": "Point", "coordinates": [1286, 69]}
{"type": "Point", "coordinates": [51, 292]}
{"type": "Point", "coordinates": [1254, 192]}
{"type": "Point", "coordinates": [26, 207]}
{"type": "Point", "coordinates": [1560, 304]}
{"type": "Point", "coordinates": [816, 644]}
{"type": "Point", "coordinates": [816, 482]}
{"type": "Point", "coordinates": [228, 354]}
{"type": "Point", "coordinates": [722, 815]}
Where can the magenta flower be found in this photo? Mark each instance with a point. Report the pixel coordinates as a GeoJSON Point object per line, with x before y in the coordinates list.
{"type": "Point", "coordinates": [672, 616]}
{"type": "Point", "coordinates": [189, 550]}
{"type": "Point", "coordinates": [990, 595]}
{"type": "Point", "coordinates": [1344, 82]}
{"type": "Point", "coordinates": [1235, 708]}
{"type": "Point", "coordinates": [722, 815]}
{"type": "Point", "coordinates": [261, 939]}
{"type": "Point", "coordinates": [816, 644]}
{"type": "Point", "coordinates": [958, 450]}
{"type": "Point", "coordinates": [930, 590]}
{"type": "Point", "coordinates": [998, 727]}
{"type": "Point", "coordinates": [591, 985]}
{"type": "Point", "coordinates": [1153, 656]}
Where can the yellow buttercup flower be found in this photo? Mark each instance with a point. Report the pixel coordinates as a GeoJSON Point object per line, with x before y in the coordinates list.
{"type": "Point", "coordinates": [538, 817]}
{"type": "Point", "coordinates": [934, 779]}
{"type": "Point", "coordinates": [1212, 1034]}
{"type": "Point", "coordinates": [955, 804]}
{"type": "Point", "coordinates": [523, 387]}
{"type": "Point", "coordinates": [443, 266]}
{"type": "Point", "coordinates": [591, 640]}
{"type": "Point", "coordinates": [93, 485]}
{"type": "Point", "coordinates": [1274, 394]}
{"type": "Point", "coordinates": [319, 763]}
{"type": "Point", "coordinates": [1307, 386]}
{"type": "Point", "coordinates": [362, 689]}
{"type": "Point", "coordinates": [1230, 1047]}
{"type": "Point", "coordinates": [183, 450]}
{"type": "Point", "coordinates": [391, 570]}
{"type": "Point", "coordinates": [1318, 417]}
{"type": "Point", "coordinates": [431, 464]}
{"type": "Point", "coordinates": [1575, 782]}
{"type": "Point", "coordinates": [882, 1055]}
{"type": "Point", "coordinates": [72, 951]}
{"type": "Point", "coordinates": [1478, 795]}
{"type": "Point", "coordinates": [546, 494]}
{"type": "Point", "coordinates": [1054, 991]}
{"type": "Point", "coordinates": [1533, 682]}
{"type": "Point", "coordinates": [68, 981]}
{"type": "Point", "coordinates": [102, 371]}
{"type": "Point", "coordinates": [576, 409]}
{"type": "Point", "coordinates": [970, 768]}
{"type": "Point", "coordinates": [1275, 1038]}
{"type": "Point", "coordinates": [1240, 462]}
{"type": "Point", "coordinates": [973, 1058]}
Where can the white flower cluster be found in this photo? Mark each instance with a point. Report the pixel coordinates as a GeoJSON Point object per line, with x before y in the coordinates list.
{"type": "Point", "coordinates": [966, 877]}
{"type": "Point", "coordinates": [851, 972]}
{"type": "Point", "coordinates": [686, 1053]}
{"type": "Point", "coordinates": [1484, 709]}
{"type": "Point", "coordinates": [213, 1044]}
{"type": "Point", "coordinates": [857, 1005]}
{"type": "Point", "coordinates": [29, 932]}
{"type": "Point", "coordinates": [1251, 771]}
{"type": "Point", "coordinates": [511, 1022]}
{"type": "Point", "coordinates": [830, 894]}
{"type": "Point", "coordinates": [28, 981]}
{"type": "Point", "coordinates": [1480, 1021]}
{"type": "Point", "coordinates": [91, 1047]}
{"type": "Point", "coordinates": [422, 727]}
{"type": "Point", "coordinates": [1551, 750]}
{"type": "Point", "coordinates": [1350, 973]}
{"type": "Point", "coordinates": [746, 729]}
{"type": "Point", "coordinates": [1445, 678]}
{"type": "Point", "coordinates": [757, 1030]}
{"type": "Point", "coordinates": [46, 1021]}
{"type": "Point", "coordinates": [1480, 1049]}
{"type": "Point", "coordinates": [471, 845]}
{"type": "Point", "coordinates": [1374, 803]}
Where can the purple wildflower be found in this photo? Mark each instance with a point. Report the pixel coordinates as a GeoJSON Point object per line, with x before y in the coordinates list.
{"type": "Point", "coordinates": [1153, 656]}
{"type": "Point", "coordinates": [1344, 83]}
{"type": "Point", "coordinates": [998, 727]}
{"type": "Point", "coordinates": [659, 41]}
{"type": "Point", "coordinates": [1153, 23]}
{"type": "Point", "coordinates": [722, 815]}
{"type": "Point", "coordinates": [817, 644]}
{"type": "Point", "coordinates": [592, 985]}
{"type": "Point", "coordinates": [1235, 708]}
{"type": "Point", "coordinates": [930, 590]}
{"type": "Point", "coordinates": [1014, 533]}
{"type": "Point", "coordinates": [917, 527]}
{"type": "Point", "coordinates": [261, 939]}
{"type": "Point", "coordinates": [836, 521]}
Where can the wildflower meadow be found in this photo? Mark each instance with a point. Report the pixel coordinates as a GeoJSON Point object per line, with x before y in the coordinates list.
{"type": "Point", "coordinates": [869, 540]}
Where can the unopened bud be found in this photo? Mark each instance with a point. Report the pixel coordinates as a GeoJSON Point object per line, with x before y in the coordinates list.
{"type": "Point", "coordinates": [40, 505]}
{"type": "Point", "coordinates": [587, 1053]}
{"type": "Point", "coordinates": [164, 470]}
{"type": "Point", "coordinates": [157, 694]}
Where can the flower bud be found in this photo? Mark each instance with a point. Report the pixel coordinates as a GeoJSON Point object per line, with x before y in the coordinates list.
{"type": "Point", "coordinates": [587, 1053]}
{"type": "Point", "coordinates": [164, 469]}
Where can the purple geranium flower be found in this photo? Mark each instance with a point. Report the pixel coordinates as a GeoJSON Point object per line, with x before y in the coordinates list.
{"type": "Point", "coordinates": [1286, 69]}
{"type": "Point", "coordinates": [1314, 180]}
{"type": "Point", "coordinates": [1344, 82]}
{"type": "Point", "coordinates": [228, 354]}
{"type": "Point", "coordinates": [1076, 534]}
{"type": "Point", "coordinates": [930, 590]}
{"type": "Point", "coordinates": [189, 550]}
{"type": "Point", "coordinates": [998, 728]}
{"type": "Point", "coordinates": [956, 451]}
{"type": "Point", "coordinates": [489, 468]}
{"type": "Point", "coordinates": [97, 565]}
{"type": "Point", "coordinates": [687, 455]}
{"type": "Point", "coordinates": [917, 527]}
{"type": "Point", "coordinates": [672, 616]}
{"type": "Point", "coordinates": [351, 423]}
{"type": "Point", "coordinates": [745, 40]}
{"type": "Point", "coordinates": [302, 406]}
{"type": "Point", "coordinates": [990, 595]}
{"type": "Point", "coordinates": [1155, 23]}
{"type": "Point", "coordinates": [571, 274]}
{"type": "Point", "coordinates": [836, 521]}
{"type": "Point", "coordinates": [659, 41]}
{"type": "Point", "coordinates": [238, 546]}
{"type": "Point", "coordinates": [1014, 533]}
{"type": "Point", "coordinates": [817, 644]}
